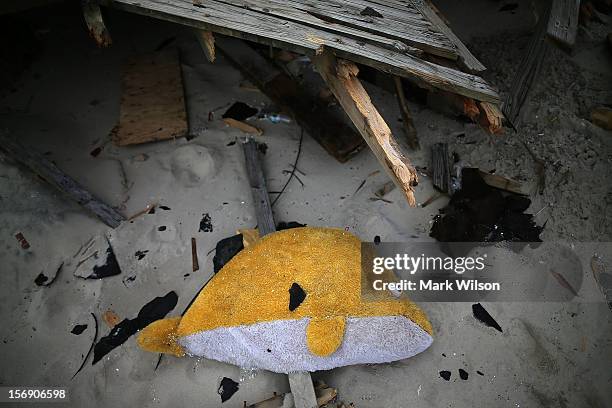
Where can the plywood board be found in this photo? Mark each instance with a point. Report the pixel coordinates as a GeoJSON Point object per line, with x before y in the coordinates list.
{"type": "Point", "coordinates": [152, 100]}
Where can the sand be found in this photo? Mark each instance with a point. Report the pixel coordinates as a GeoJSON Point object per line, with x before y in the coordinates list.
{"type": "Point", "coordinates": [66, 103]}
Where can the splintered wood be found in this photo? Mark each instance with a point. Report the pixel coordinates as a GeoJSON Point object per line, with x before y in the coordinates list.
{"type": "Point", "coordinates": [152, 101]}
{"type": "Point", "coordinates": [341, 77]}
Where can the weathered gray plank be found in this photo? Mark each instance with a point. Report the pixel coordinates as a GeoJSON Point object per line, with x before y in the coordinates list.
{"type": "Point", "coordinates": [302, 390]}
{"type": "Point", "coordinates": [467, 58]}
{"type": "Point", "coordinates": [527, 71]}
{"type": "Point", "coordinates": [54, 176]}
{"type": "Point", "coordinates": [406, 26]}
{"type": "Point", "coordinates": [242, 23]}
{"type": "Point", "coordinates": [563, 22]}
{"type": "Point", "coordinates": [283, 10]}
{"type": "Point", "coordinates": [261, 200]}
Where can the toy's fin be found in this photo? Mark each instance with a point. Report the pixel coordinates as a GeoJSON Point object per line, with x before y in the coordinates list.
{"type": "Point", "coordinates": [324, 335]}
{"type": "Point", "coordinates": [160, 337]}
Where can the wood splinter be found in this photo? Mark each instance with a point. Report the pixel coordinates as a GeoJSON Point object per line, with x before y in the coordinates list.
{"type": "Point", "coordinates": [341, 77]}
{"type": "Point", "coordinates": [194, 255]}
{"type": "Point", "coordinates": [207, 42]}
{"type": "Point", "coordinates": [409, 129]}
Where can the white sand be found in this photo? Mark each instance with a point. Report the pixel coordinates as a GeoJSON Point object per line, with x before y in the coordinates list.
{"type": "Point", "coordinates": [548, 355]}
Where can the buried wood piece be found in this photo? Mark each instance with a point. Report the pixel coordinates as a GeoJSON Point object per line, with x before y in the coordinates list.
{"type": "Point", "coordinates": [341, 77]}
{"type": "Point", "coordinates": [95, 23]}
{"type": "Point", "coordinates": [491, 118]}
{"type": "Point", "coordinates": [299, 382]}
{"type": "Point", "coordinates": [243, 126]}
{"type": "Point", "coordinates": [563, 22]}
{"type": "Point", "coordinates": [409, 130]}
{"type": "Point", "coordinates": [442, 167]}
{"type": "Point", "coordinates": [323, 393]}
{"type": "Point", "coordinates": [54, 176]}
{"type": "Point", "coordinates": [325, 124]}
{"type": "Point", "coordinates": [152, 100]}
{"type": "Point", "coordinates": [207, 42]}
{"type": "Point", "coordinates": [527, 71]}
{"type": "Point", "coordinates": [602, 117]}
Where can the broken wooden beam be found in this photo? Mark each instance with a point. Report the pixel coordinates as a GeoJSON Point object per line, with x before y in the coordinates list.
{"type": "Point", "coordinates": [563, 22]}
{"type": "Point", "coordinates": [323, 123]}
{"type": "Point", "coordinates": [341, 77]}
{"type": "Point", "coordinates": [207, 42]}
{"type": "Point", "coordinates": [502, 183]}
{"type": "Point", "coordinates": [407, 122]}
{"type": "Point", "coordinates": [95, 23]}
{"type": "Point", "coordinates": [299, 382]}
{"type": "Point", "coordinates": [54, 176]}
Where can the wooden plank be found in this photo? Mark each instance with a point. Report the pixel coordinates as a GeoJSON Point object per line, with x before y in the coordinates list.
{"type": "Point", "coordinates": [323, 123]}
{"type": "Point", "coordinates": [152, 101]}
{"type": "Point", "coordinates": [270, 30]}
{"type": "Point", "coordinates": [341, 77]}
{"type": "Point", "coordinates": [54, 176]}
{"type": "Point", "coordinates": [207, 42]}
{"type": "Point", "coordinates": [283, 10]}
{"type": "Point", "coordinates": [563, 22]}
{"type": "Point", "coordinates": [441, 167]}
{"type": "Point", "coordinates": [408, 27]}
{"type": "Point", "coordinates": [468, 59]}
{"type": "Point", "coordinates": [302, 390]}
{"type": "Point", "coordinates": [299, 382]}
{"type": "Point", "coordinates": [257, 181]}
{"type": "Point", "coordinates": [527, 71]}
{"type": "Point", "coordinates": [491, 118]}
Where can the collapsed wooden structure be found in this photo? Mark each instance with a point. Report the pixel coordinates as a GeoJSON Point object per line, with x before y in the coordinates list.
{"type": "Point", "coordinates": [404, 38]}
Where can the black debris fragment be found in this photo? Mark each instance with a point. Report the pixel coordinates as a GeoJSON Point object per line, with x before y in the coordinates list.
{"type": "Point", "coordinates": [481, 213]}
{"type": "Point", "coordinates": [369, 11]}
{"type": "Point", "coordinates": [377, 240]}
{"type": "Point", "coordinates": [156, 309]}
{"type": "Point", "coordinates": [95, 152]}
{"type": "Point", "coordinates": [445, 374]}
{"type": "Point", "coordinates": [93, 343]}
{"type": "Point", "coordinates": [296, 296]}
{"type": "Point", "coordinates": [233, 142]}
{"type": "Point", "coordinates": [262, 147]}
{"type": "Point", "coordinates": [225, 250]}
{"type": "Point", "coordinates": [239, 111]}
{"type": "Point", "coordinates": [152, 210]}
{"type": "Point", "coordinates": [463, 374]}
{"type": "Point", "coordinates": [78, 329]}
{"type": "Point", "coordinates": [164, 207]}
{"type": "Point", "coordinates": [161, 228]}
{"type": "Point", "coordinates": [206, 223]}
{"type": "Point", "coordinates": [109, 268]}
{"type": "Point", "coordinates": [41, 279]}
{"type": "Point", "coordinates": [227, 388]}
{"type": "Point", "coordinates": [141, 254]}
{"type": "Point", "coordinates": [481, 314]}
{"type": "Point", "coordinates": [479, 373]}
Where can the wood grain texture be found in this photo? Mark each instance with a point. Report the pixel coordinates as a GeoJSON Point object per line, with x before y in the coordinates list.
{"type": "Point", "coordinates": [302, 390]}
{"type": "Point", "coordinates": [152, 101]}
{"type": "Point", "coordinates": [341, 77]}
{"type": "Point", "coordinates": [95, 23]}
{"type": "Point", "coordinates": [270, 30]}
{"type": "Point", "coordinates": [527, 71]}
{"type": "Point", "coordinates": [491, 118]}
{"type": "Point", "coordinates": [54, 176]}
{"type": "Point", "coordinates": [563, 22]}
{"type": "Point", "coordinates": [323, 123]}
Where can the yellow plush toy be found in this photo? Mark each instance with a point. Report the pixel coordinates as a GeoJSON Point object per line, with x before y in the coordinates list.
{"type": "Point", "coordinates": [292, 301]}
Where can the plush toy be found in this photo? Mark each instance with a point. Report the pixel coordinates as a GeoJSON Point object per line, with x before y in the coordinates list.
{"type": "Point", "coordinates": [292, 301]}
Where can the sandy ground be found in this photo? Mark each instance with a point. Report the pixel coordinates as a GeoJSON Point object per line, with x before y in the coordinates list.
{"type": "Point", "coordinates": [66, 103]}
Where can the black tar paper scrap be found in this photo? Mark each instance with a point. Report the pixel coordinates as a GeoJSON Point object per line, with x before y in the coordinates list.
{"type": "Point", "coordinates": [156, 309]}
